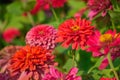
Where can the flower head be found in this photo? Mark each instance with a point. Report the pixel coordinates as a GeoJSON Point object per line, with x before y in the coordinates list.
{"type": "Point", "coordinates": [31, 60]}
{"type": "Point", "coordinates": [54, 74]}
{"type": "Point", "coordinates": [102, 44]}
{"type": "Point", "coordinates": [107, 78]}
{"type": "Point", "coordinates": [10, 33]}
{"type": "Point", "coordinates": [45, 4]}
{"type": "Point", "coordinates": [75, 32]}
{"type": "Point", "coordinates": [42, 35]}
{"type": "Point", "coordinates": [5, 55]}
{"type": "Point", "coordinates": [97, 6]}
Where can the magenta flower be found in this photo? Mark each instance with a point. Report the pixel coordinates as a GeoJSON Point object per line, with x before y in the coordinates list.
{"type": "Point", "coordinates": [97, 6]}
{"type": "Point", "coordinates": [54, 74]}
{"type": "Point", "coordinates": [102, 44]}
{"type": "Point", "coordinates": [42, 35]}
{"type": "Point", "coordinates": [10, 33]}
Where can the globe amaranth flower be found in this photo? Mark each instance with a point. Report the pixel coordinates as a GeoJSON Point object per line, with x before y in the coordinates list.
{"type": "Point", "coordinates": [98, 6]}
{"type": "Point", "coordinates": [76, 32]}
{"type": "Point", "coordinates": [42, 35]}
{"type": "Point", "coordinates": [5, 55]}
{"type": "Point", "coordinates": [45, 4]}
{"type": "Point", "coordinates": [107, 78]}
{"type": "Point", "coordinates": [54, 74]}
{"type": "Point", "coordinates": [31, 62]}
{"type": "Point", "coordinates": [102, 44]}
{"type": "Point", "coordinates": [10, 33]}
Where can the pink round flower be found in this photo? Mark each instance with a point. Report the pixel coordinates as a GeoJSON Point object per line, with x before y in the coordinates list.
{"type": "Point", "coordinates": [97, 6]}
{"type": "Point", "coordinates": [42, 35]}
{"type": "Point", "coordinates": [102, 44]}
{"type": "Point", "coordinates": [10, 33]}
{"type": "Point", "coordinates": [76, 32]}
{"type": "Point", "coordinates": [54, 74]}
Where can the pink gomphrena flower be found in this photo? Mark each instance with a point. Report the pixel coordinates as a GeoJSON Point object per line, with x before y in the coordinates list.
{"type": "Point", "coordinates": [10, 33]}
{"type": "Point", "coordinates": [54, 74]}
{"type": "Point", "coordinates": [30, 62]}
{"type": "Point", "coordinates": [45, 4]}
{"type": "Point", "coordinates": [75, 32]}
{"type": "Point", "coordinates": [98, 6]}
{"type": "Point", "coordinates": [102, 44]}
{"type": "Point", "coordinates": [107, 78]}
{"type": "Point", "coordinates": [42, 35]}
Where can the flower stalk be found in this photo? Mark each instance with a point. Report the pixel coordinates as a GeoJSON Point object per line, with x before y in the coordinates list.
{"type": "Point", "coordinates": [111, 66]}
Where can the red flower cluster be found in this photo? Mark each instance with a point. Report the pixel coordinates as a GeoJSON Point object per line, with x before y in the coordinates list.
{"type": "Point", "coordinates": [76, 32]}
{"type": "Point", "coordinates": [31, 60]}
{"type": "Point", "coordinates": [45, 4]}
{"type": "Point", "coordinates": [10, 33]}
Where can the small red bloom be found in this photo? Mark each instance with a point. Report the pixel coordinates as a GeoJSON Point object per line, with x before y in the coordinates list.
{"type": "Point", "coordinates": [107, 78]}
{"type": "Point", "coordinates": [31, 61]}
{"type": "Point", "coordinates": [76, 32]}
{"type": "Point", "coordinates": [10, 33]}
{"type": "Point", "coordinates": [102, 44]}
{"type": "Point", "coordinates": [42, 35]}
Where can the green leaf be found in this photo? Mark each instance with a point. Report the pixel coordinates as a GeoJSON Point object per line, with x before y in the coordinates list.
{"type": "Point", "coordinates": [97, 64]}
{"type": "Point", "coordinates": [15, 8]}
{"type": "Point", "coordinates": [68, 65]}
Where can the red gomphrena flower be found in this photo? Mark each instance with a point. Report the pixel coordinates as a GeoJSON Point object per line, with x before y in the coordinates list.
{"type": "Point", "coordinates": [31, 62]}
{"type": "Point", "coordinates": [76, 32]}
{"type": "Point", "coordinates": [10, 33]}
{"type": "Point", "coordinates": [42, 35]}
{"type": "Point", "coordinates": [107, 78]}
{"type": "Point", "coordinates": [54, 74]}
{"type": "Point", "coordinates": [45, 4]}
{"type": "Point", "coordinates": [97, 6]}
{"type": "Point", "coordinates": [102, 44]}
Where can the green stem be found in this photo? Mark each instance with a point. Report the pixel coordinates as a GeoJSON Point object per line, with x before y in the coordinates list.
{"type": "Point", "coordinates": [73, 54]}
{"type": "Point", "coordinates": [31, 19]}
{"type": "Point", "coordinates": [111, 66]}
{"type": "Point", "coordinates": [54, 13]}
{"type": "Point", "coordinates": [113, 26]}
